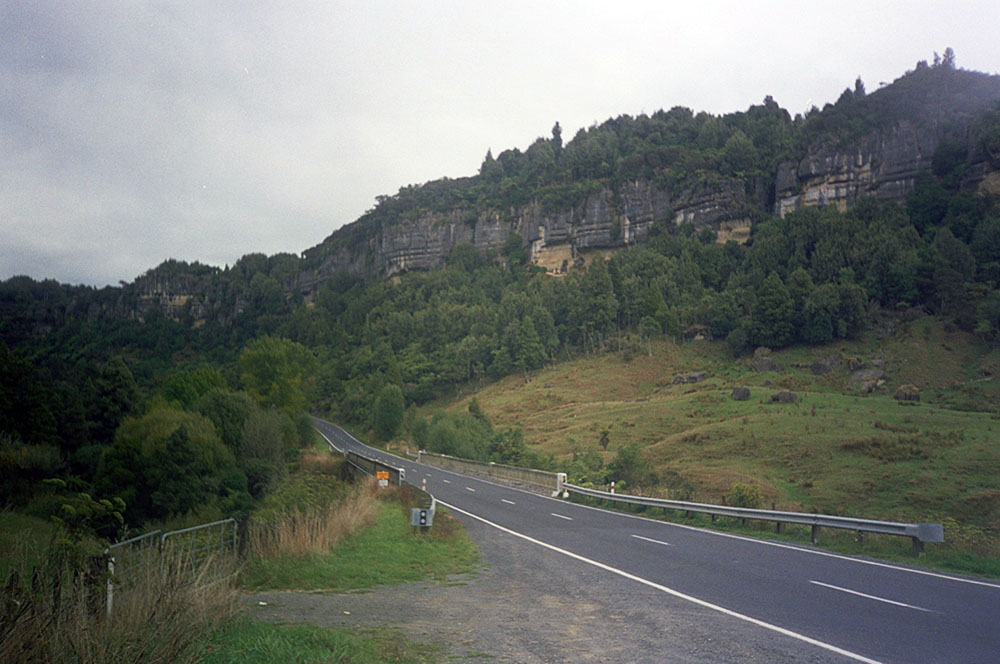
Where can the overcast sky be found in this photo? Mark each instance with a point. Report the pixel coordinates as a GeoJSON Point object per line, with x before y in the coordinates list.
{"type": "Point", "coordinates": [136, 131]}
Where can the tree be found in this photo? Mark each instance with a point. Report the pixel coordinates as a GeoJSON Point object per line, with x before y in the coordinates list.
{"type": "Point", "coordinates": [117, 397]}
{"type": "Point", "coordinates": [387, 414]}
{"type": "Point", "coordinates": [164, 463]}
{"type": "Point", "coordinates": [229, 412]}
{"type": "Point", "coordinates": [276, 373]}
{"type": "Point", "coordinates": [774, 315]}
{"type": "Point", "coordinates": [739, 156]}
{"type": "Point", "coordinates": [649, 328]}
{"type": "Point", "coordinates": [513, 249]}
{"type": "Point", "coordinates": [948, 61]}
{"type": "Point", "coordinates": [186, 387]}
{"type": "Point", "coordinates": [528, 350]}
{"type": "Point", "coordinates": [628, 467]}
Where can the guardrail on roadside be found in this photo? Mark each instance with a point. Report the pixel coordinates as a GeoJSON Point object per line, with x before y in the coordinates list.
{"type": "Point", "coordinates": [918, 532]}
{"type": "Point", "coordinates": [374, 467]}
{"type": "Point", "coordinates": [539, 478]}
{"type": "Point", "coordinates": [423, 516]}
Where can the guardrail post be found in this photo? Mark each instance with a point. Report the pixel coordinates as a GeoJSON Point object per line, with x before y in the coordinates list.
{"type": "Point", "coordinates": [918, 547]}
{"type": "Point", "coordinates": [815, 534]}
{"type": "Point", "coordinates": [560, 482]}
{"type": "Point", "coordinates": [111, 580]}
{"type": "Point", "coordinates": [778, 527]}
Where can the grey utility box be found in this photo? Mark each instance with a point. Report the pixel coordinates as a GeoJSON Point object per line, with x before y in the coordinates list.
{"type": "Point", "coordinates": [420, 517]}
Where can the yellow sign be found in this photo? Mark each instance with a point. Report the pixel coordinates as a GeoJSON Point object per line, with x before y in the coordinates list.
{"type": "Point", "coordinates": [382, 475]}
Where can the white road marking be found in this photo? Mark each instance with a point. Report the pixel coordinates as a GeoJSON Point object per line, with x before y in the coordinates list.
{"type": "Point", "coordinates": [646, 539]}
{"type": "Point", "coordinates": [671, 591]}
{"type": "Point", "coordinates": [509, 502]}
{"type": "Point", "coordinates": [866, 596]}
{"type": "Point", "coordinates": [469, 488]}
{"type": "Point", "coordinates": [799, 549]}
{"type": "Point", "coordinates": [568, 518]}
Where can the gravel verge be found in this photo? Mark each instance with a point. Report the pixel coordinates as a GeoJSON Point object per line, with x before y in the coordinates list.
{"type": "Point", "coordinates": [530, 605]}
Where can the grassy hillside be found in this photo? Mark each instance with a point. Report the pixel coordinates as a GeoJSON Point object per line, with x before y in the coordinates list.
{"type": "Point", "coordinates": [834, 450]}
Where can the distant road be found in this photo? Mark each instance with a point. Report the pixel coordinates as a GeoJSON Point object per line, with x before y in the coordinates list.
{"type": "Point", "coordinates": [850, 608]}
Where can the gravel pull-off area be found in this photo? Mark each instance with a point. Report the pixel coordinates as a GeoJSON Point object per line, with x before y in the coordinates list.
{"type": "Point", "coordinates": [534, 606]}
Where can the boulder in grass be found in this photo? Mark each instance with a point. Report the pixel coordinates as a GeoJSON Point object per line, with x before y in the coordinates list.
{"type": "Point", "coordinates": [741, 393]}
{"type": "Point", "coordinates": [766, 364]}
{"type": "Point", "coordinates": [866, 381]}
{"type": "Point", "coordinates": [785, 396]}
{"type": "Point", "coordinates": [907, 392]}
{"type": "Point", "coordinates": [695, 377]}
{"type": "Point", "coordinates": [820, 368]}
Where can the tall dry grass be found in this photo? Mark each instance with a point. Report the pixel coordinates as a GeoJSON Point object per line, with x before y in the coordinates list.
{"type": "Point", "coordinates": [317, 529]}
{"type": "Point", "coordinates": [160, 617]}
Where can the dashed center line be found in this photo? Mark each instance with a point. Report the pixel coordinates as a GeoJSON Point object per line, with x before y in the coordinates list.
{"type": "Point", "coordinates": [646, 539]}
{"type": "Point", "coordinates": [469, 488]}
{"type": "Point", "coordinates": [446, 481]}
{"type": "Point", "coordinates": [509, 502]}
{"type": "Point", "coordinates": [866, 596]}
{"type": "Point", "coordinates": [568, 518]}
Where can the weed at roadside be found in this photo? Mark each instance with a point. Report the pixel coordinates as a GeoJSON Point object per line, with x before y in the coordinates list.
{"type": "Point", "coordinates": [251, 642]}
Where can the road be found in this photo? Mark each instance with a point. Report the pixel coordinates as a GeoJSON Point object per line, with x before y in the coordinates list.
{"type": "Point", "coordinates": [853, 609]}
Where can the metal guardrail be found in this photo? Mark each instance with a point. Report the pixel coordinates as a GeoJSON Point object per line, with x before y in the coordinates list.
{"type": "Point", "coordinates": [919, 532]}
{"type": "Point", "coordinates": [373, 467]}
{"type": "Point", "coordinates": [422, 516]}
{"type": "Point", "coordinates": [491, 470]}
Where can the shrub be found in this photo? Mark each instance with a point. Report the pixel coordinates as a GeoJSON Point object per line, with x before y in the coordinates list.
{"type": "Point", "coordinates": [744, 494]}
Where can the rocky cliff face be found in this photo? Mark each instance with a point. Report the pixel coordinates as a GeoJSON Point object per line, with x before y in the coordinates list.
{"type": "Point", "coordinates": [882, 164]}
{"type": "Point", "coordinates": [603, 220]}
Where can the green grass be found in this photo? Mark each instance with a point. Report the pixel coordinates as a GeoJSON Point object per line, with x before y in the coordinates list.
{"type": "Point", "coordinates": [24, 543]}
{"type": "Point", "coordinates": [249, 642]}
{"type": "Point", "coordinates": [386, 553]}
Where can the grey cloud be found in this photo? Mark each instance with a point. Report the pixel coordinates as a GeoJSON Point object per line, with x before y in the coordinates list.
{"type": "Point", "coordinates": [133, 132]}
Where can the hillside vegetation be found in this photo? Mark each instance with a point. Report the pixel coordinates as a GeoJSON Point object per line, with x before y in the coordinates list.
{"type": "Point", "coordinates": [833, 450]}
{"type": "Point", "coordinates": [184, 394]}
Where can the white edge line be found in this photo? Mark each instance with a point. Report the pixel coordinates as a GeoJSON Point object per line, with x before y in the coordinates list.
{"type": "Point", "coordinates": [800, 549]}
{"type": "Point", "coordinates": [647, 539]}
{"type": "Point", "coordinates": [709, 531]}
{"type": "Point", "coordinates": [866, 596]}
{"type": "Point", "coordinates": [671, 591]}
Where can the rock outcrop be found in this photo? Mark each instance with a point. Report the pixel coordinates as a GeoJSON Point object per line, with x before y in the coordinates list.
{"type": "Point", "coordinates": [866, 380]}
{"type": "Point", "coordinates": [908, 392]}
{"type": "Point", "coordinates": [604, 220]}
{"type": "Point", "coordinates": [883, 165]}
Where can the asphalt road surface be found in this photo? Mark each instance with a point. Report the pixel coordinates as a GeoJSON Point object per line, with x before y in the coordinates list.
{"type": "Point", "coordinates": [838, 607]}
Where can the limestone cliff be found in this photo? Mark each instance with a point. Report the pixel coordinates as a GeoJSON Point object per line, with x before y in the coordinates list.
{"type": "Point", "coordinates": [875, 146]}
{"type": "Point", "coordinates": [605, 219]}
